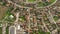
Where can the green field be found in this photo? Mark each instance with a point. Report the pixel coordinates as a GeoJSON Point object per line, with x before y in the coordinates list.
{"type": "Point", "coordinates": [46, 3]}
{"type": "Point", "coordinates": [55, 18]}
{"type": "Point", "coordinates": [0, 30]}
{"type": "Point", "coordinates": [30, 0]}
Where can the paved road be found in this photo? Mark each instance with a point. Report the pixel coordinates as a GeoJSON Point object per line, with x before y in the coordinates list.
{"type": "Point", "coordinates": [17, 16]}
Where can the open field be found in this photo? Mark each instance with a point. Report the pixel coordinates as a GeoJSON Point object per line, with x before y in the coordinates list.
{"type": "Point", "coordinates": [31, 0]}
{"type": "Point", "coordinates": [2, 11]}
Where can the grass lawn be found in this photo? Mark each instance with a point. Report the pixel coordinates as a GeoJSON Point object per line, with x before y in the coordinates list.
{"type": "Point", "coordinates": [52, 1]}
{"type": "Point", "coordinates": [0, 0]}
{"type": "Point", "coordinates": [2, 11]}
{"type": "Point", "coordinates": [0, 30]}
{"type": "Point", "coordinates": [30, 0]}
{"type": "Point", "coordinates": [42, 4]}
{"type": "Point", "coordinates": [7, 30]}
{"type": "Point", "coordinates": [0, 23]}
{"type": "Point", "coordinates": [41, 32]}
{"type": "Point", "coordinates": [55, 18]}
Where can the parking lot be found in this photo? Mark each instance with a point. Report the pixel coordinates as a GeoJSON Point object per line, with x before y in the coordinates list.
{"type": "Point", "coordinates": [12, 30]}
